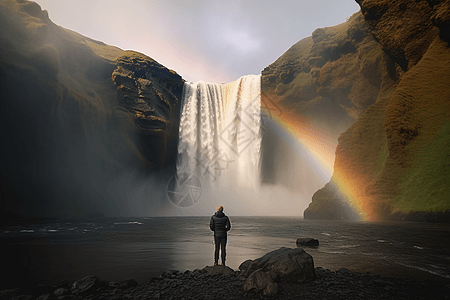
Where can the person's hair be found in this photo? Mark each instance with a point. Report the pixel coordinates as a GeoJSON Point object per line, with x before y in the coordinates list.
{"type": "Point", "coordinates": [220, 208]}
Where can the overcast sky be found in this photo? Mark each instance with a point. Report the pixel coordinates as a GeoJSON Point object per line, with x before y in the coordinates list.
{"type": "Point", "coordinates": [210, 40]}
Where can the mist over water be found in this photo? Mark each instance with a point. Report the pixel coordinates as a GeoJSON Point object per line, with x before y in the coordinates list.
{"type": "Point", "coordinates": [220, 162]}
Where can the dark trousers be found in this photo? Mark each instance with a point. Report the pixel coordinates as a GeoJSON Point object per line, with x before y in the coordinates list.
{"type": "Point", "coordinates": [220, 243]}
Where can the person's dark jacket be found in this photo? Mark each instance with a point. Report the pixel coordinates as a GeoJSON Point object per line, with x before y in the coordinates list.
{"type": "Point", "coordinates": [220, 224]}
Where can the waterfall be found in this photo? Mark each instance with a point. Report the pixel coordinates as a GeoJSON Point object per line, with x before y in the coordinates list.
{"type": "Point", "coordinates": [220, 136]}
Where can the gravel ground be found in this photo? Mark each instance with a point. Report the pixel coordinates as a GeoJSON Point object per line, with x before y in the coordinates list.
{"type": "Point", "coordinates": [341, 284]}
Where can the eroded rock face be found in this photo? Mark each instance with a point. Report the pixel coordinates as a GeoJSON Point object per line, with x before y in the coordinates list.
{"type": "Point", "coordinates": [69, 127]}
{"type": "Point", "coordinates": [441, 17]}
{"type": "Point", "coordinates": [403, 28]}
{"type": "Point", "coordinates": [149, 98]}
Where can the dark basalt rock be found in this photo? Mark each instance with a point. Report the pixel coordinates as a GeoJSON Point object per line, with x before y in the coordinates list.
{"type": "Point", "coordinates": [284, 264]}
{"type": "Point", "coordinates": [261, 283]}
{"type": "Point", "coordinates": [87, 285]}
{"type": "Point", "coordinates": [327, 284]}
{"type": "Point", "coordinates": [307, 242]}
{"type": "Point", "coordinates": [149, 97]}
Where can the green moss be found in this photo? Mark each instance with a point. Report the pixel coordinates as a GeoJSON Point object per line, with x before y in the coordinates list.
{"type": "Point", "coordinates": [381, 159]}
{"type": "Point", "coordinates": [425, 186]}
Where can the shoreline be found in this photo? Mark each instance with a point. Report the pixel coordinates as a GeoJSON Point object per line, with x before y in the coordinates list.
{"type": "Point", "coordinates": [197, 284]}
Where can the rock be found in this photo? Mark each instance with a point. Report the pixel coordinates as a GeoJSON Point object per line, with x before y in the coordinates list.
{"type": "Point", "coordinates": [290, 265]}
{"type": "Point", "coordinates": [8, 294]}
{"type": "Point", "coordinates": [46, 297]}
{"type": "Point", "coordinates": [404, 41]}
{"type": "Point", "coordinates": [113, 285]}
{"type": "Point", "coordinates": [23, 297]}
{"type": "Point", "coordinates": [149, 98]}
{"type": "Point", "coordinates": [126, 284]}
{"type": "Point", "coordinates": [61, 291]}
{"type": "Point", "coordinates": [87, 285]}
{"type": "Point", "coordinates": [343, 270]}
{"type": "Point", "coordinates": [63, 284]}
{"type": "Point", "coordinates": [169, 273]}
{"type": "Point", "coordinates": [261, 283]}
{"type": "Point", "coordinates": [218, 270]}
{"type": "Point", "coordinates": [307, 242]}
{"type": "Point", "coordinates": [245, 264]}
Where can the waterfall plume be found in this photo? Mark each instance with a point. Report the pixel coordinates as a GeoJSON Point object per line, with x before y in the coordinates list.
{"type": "Point", "coordinates": [220, 151]}
{"type": "Point", "coordinates": [220, 135]}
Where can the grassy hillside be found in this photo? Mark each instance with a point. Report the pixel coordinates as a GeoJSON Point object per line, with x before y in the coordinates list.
{"type": "Point", "coordinates": [418, 123]}
{"type": "Point", "coordinates": [393, 162]}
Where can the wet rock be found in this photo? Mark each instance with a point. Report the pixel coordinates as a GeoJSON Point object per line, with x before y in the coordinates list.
{"type": "Point", "coordinates": [292, 265]}
{"type": "Point", "coordinates": [307, 242]}
{"type": "Point", "coordinates": [260, 282]}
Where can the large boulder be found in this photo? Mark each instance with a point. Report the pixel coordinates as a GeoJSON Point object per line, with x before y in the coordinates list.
{"type": "Point", "coordinates": [284, 264]}
{"type": "Point", "coordinates": [260, 282]}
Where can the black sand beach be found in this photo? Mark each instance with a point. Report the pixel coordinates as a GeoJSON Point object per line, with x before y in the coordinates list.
{"type": "Point", "coordinates": [340, 284]}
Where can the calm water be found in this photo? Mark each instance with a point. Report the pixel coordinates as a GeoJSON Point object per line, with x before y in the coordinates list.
{"type": "Point", "coordinates": [120, 249]}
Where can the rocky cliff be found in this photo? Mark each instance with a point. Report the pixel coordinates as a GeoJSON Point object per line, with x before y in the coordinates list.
{"type": "Point", "coordinates": [329, 79]}
{"type": "Point", "coordinates": [76, 113]}
{"type": "Point", "coordinates": [394, 161]}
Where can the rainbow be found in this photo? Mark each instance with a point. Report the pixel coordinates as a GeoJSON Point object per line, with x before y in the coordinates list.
{"type": "Point", "coordinates": [321, 148]}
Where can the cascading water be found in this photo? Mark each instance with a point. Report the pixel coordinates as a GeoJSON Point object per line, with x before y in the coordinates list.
{"type": "Point", "coordinates": [220, 140]}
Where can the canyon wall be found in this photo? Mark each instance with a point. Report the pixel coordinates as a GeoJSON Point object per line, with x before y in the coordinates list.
{"type": "Point", "coordinates": [75, 114]}
{"type": "Point", "coordinates": [394, 161]}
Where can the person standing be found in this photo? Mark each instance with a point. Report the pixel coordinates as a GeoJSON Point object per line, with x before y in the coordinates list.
{"type": "Point", "coordinates": [220, 224]}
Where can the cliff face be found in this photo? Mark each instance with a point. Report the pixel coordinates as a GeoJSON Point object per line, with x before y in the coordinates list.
{"type": "Point", "coordinates": [76, 113]}
{"type": "Point", "coordinates": [328, 80]}
{"type": "Point", "coordinates": [393, 162]}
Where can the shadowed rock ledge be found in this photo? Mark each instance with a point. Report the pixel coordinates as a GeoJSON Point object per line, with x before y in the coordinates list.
{"type": "Point", "coordinates": [75, 115]}
{"type": "Point", "coordinates": [149, 96]}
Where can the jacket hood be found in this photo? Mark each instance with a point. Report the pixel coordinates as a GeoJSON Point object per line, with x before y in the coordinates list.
{"type": "Point", "coordinates": [219, 214]}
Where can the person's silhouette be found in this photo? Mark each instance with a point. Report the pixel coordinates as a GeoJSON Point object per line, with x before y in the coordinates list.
{"type": "Point", "coordinates": [220, 224]}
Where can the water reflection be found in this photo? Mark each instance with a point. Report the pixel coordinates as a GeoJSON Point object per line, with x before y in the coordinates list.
{"type": "Point", "coordinates": [120, 249]}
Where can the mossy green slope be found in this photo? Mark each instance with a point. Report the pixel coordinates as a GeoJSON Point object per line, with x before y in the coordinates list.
{"type": "Point", "coordinates": [402, 172]}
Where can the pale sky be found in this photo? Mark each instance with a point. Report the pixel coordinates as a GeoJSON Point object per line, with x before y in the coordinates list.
{"type": "Point", "coordinates": [210, 40]}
